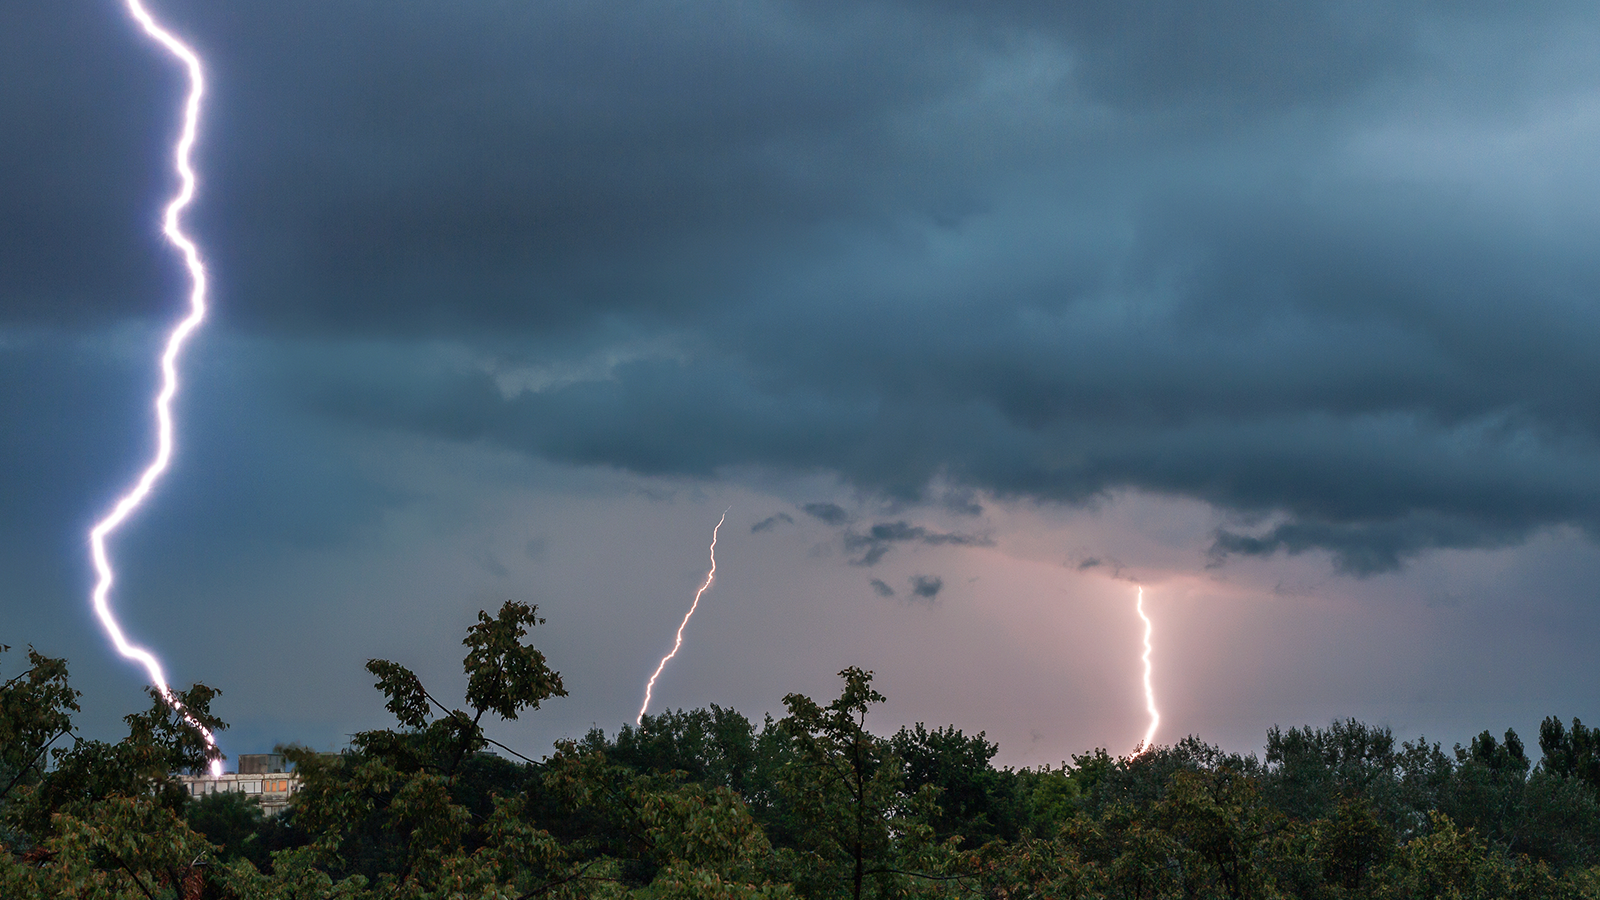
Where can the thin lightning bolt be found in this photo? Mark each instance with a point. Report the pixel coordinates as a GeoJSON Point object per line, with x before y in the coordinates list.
{"type": "Point", "coordinates": [678, 641]}
{"type": "Point", "coordinates": [1149, 692]}
{"type": "Point", "coordinates": [131, 500]}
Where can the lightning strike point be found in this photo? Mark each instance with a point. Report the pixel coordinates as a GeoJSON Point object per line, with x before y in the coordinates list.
{"type": "Point", "coordinates": [135, 495]}
{"type": "Point", "coordinates": [678, 641]}
{"type": "Point", "coordinates": [1149, 692]}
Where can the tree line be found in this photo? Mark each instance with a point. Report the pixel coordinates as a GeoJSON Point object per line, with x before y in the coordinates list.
{"type": "Point", "coordinates": [710, 804]}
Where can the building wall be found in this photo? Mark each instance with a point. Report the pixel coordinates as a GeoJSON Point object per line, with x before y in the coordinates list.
{"type": "Point", "coordinates": [272, 790]}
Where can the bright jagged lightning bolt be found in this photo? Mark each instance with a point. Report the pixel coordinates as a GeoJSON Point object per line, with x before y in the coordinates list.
{"type": "Point", "coordinates": [169, 371]}
{"type": "Point", "coordinates": [678, 641]}
{"type": "Point", "coordinates": [1149, 692]}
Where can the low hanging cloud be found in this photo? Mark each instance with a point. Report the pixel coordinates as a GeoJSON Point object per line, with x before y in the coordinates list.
{"type": "Point", "coordinates": [829, 513]}
{"type": "Point", "coordinates": [771, 522]}
{"type": "Point", "coordinates": [877, 541]}
{"type": "Point", "coordinates": [1360, 549]}
{"type": "Point", "coordinates": [881, 587]}
{"type": "Point", "coordinates": [926, 587]}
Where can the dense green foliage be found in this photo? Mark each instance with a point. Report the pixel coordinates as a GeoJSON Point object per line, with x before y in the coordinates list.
{"type": "Point", "coordinates": [707, 804]}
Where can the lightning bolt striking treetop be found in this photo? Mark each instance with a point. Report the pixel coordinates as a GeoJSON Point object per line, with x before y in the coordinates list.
{"type": "Point", "coordinates": [678, 641]}
{"type": "Point", "coordinates": [1149, 692]}
{"type": "Point", "coordinates": [179, 335]}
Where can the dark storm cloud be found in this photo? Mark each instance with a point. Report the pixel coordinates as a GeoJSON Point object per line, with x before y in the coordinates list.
{"type": "Point", "coordinates": [829, 513]}
{"type": "Point", "coordinates": [926, 587]}
{"type": "Point", "coordinates": [881, 588]}
{"type": "Point", "coordinates": [1363, 549]}
{"type": "Point", "coordinates": [771, 522]}
{"type": "Point", "coordinates": [1324, 264]}
{"type": "Point", "coordinates": [490, 165]}
{"type": "Point", "coordinates": [1254, 53]}
{"type": "Point", "coordinates": [881, 538]}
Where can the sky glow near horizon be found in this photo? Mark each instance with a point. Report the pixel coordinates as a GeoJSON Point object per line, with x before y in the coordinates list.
{"type": "Point", "coordinates": [976, 318]}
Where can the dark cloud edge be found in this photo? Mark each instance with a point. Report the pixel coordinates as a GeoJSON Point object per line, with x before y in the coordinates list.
{"type": "Point", "coordinates": [1374, 501]}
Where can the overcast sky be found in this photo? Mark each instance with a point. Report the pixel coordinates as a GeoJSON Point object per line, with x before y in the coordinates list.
{"type": "Point", "coordinates": [976, 315]}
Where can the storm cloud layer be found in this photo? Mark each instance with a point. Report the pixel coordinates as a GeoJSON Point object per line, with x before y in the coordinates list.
{"type": "Point", "coordinates": [1328, 267]}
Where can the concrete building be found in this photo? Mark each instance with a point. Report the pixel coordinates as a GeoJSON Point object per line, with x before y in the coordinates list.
{"type": "Point", "coordinates": [261, 775]}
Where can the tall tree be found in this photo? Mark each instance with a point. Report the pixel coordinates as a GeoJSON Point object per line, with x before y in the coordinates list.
{"type": "Point", "coordinates": [1571, 754]}
{"type": "Point", "coordinates": [856, 824]}
{"type": "Point", "coordinates": [90, 818]}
